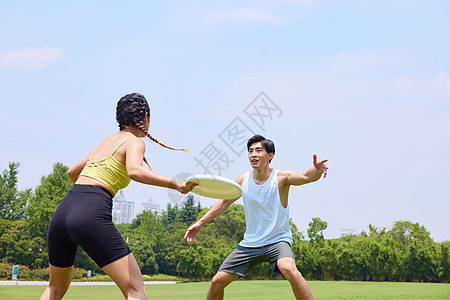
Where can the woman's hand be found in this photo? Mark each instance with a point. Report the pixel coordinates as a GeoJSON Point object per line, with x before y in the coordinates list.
{"type": "Point", "coordinates": [184, 187]}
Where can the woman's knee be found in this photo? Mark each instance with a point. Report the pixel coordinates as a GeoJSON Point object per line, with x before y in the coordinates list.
{"type": "Point", "coordinates": [131, 288]}
{"type": "Point", "coordinates": [53, 292]}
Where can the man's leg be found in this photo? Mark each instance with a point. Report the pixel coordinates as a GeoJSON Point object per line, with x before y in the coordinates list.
{"type": "Point", "coordinates": [218, 284]}
{"type": "Point", "coordinates": [298, 283]}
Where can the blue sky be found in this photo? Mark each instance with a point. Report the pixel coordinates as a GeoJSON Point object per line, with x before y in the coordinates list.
{"type": "Point", "coordinates": [365, 84]}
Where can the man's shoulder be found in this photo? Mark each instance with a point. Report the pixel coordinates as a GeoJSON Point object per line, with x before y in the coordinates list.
{"type": "Point", "coordinates": [284, 173]}
{"type": "Point", "coordinates": [240, 178]}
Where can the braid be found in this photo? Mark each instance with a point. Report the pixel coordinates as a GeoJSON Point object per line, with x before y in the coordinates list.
{"type": "Point", "coordinates": [131, 111]}
{"type": "Point", "coordinates": [141, 127]}
{"type": "Point", "coordinates": [142, 113]}
{"type": "Point", "coordinates": [145, 160]}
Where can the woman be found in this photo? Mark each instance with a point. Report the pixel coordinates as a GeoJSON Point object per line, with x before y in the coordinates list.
{"type": "Point", "coordinates": [84, 216]}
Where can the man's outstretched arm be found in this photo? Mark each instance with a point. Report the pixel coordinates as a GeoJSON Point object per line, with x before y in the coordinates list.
{"type": "Point", "coordinates": [213, 213]}
{"type": "Point", "coordinates": [310, 175]}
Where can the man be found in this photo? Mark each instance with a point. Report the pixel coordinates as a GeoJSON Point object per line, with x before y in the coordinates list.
{"type": "Point", "coordinates": [268, 235]}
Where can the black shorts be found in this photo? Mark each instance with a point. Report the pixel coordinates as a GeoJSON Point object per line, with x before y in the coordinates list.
{"type": "Point", "coordinates": [84, 218]}
{"type": "Point", "coordinates": [244, 258]}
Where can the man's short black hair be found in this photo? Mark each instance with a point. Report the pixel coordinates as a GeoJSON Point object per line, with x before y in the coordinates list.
{"type": "Point", "coordinates": [267, 144]}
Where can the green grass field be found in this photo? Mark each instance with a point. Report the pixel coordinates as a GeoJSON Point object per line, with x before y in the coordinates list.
{"type": "Point", "coordinates": [263, 289]}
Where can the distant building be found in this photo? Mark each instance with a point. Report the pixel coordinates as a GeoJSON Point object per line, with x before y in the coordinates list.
{"type": "Point", "coordinates": [123, 210]}
{"type": "Point", "coordinates": [150, 206]}
{"type": "Point", "coordinates": [386, 228]}
{"type": "Point", "coordinates": [345, 232]}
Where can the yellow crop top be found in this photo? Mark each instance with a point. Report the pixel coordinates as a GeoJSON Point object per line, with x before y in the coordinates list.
{"type": "Point", "coordinates": [108, 171]}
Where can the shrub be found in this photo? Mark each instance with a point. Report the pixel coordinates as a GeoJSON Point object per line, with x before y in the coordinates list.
{"type": "Point", "coordinates": [41, 274]}
{"type": "Point", "coordinates": [95, 278]}
{"type": "Point", "coordinates": [25, 273]}
{"type": "Point", "coordinates": [5, 270]}
{"type": "Point", "coordinates": [77, 273]}
{"type": "Point", "coordinates": [83, 272]}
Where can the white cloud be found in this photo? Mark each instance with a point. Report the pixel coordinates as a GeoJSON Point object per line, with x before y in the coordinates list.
{"type": "Point", "coordinates": [30, 58]}
{"type": "Point", "coordinates": [436, 87]}
{"type": "Point", "coordinates": [243, 14]}
{"type": "Point", "coordinates": [368, 60]}
{"type": "Point", "coordinates": [440, 83]}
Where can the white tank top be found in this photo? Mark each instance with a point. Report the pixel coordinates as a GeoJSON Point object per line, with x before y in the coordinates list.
{"type": "Point", "coordinates": [266, 219]}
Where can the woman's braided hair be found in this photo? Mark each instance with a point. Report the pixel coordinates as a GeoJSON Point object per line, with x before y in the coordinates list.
{"type": "Point", "coordinates": [131, 111]}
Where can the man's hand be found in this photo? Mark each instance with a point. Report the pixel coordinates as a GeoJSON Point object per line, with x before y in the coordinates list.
{"type": "Point", "coordinates": [320, 166]}
{"type": "Point", "coordinates": [192, 232]}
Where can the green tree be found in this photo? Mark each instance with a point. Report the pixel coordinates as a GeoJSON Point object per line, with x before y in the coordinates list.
{"type": "Point", "coordinates": [376, 232]}
{"type": "Point", "coordinates": [351, 264]}
{"type": "Point", "coordinates": [443, 271]}
{"type": "Point", "coordinates": [329, 260]}
{"type": "Point", "coordinates": [12, 201]}
{"type": "Point", "coordinates": [18, 246]}
{"type": "Point", "coordinates": [381, 261]}
{"type": "Point", "coordinates": [4, 226]}
{"type": "Point", "coordinates": [231, 223]}
{"type": "Point", "coordinates": [216, 257]}
{"type": "Point", "coordinates": [188, 212]}
{"type": "Point", "coordinates": [168, 256]}
{"type": "Point", "coordinates": [149, 236]}
{"type": "Point", "coordinates": [217, 239]}
{"type": "Point", "coordinates": [82, 260]}
{"type": "Point", "coordinates": [169, 216]}
{"type": "Point", "coordinates": [308, 260]}
{"type": "Point", "coordinates": [144, 249]}
{"type": "Point", "coordinates": [315, 229]}
{"type": "Point", "coordinates": [297, 236]}
{"type": "Point", "coordinates": [46, 199]}
{"type": "Point", "coordinates": [420, 262]}
{"type": "Point", "coordinates": [149, 226]}
{"type": "Point", "coordinates": [405, 231]}
{"type": "Point", "coordinates": [261, 271]}
{"type": "Point", "coordinates": [194, 262]}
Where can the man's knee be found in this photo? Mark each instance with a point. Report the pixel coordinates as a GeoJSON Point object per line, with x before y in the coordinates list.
{"type": "Point", "coordinates": [215, 281]}
{"type": "Point", "coordinates": [289, 271]}
{"type": "Point", "coordinates": [222, 279]}
{"type": "Point", "coordinates": [288, 268]}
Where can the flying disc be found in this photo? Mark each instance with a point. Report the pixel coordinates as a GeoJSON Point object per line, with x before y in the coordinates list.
{"type": "Point", "coordinates": [217, 187]}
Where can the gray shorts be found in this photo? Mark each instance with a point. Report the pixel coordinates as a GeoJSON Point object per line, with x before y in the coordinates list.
{"type": "Point", "coordinates": [245, 258]}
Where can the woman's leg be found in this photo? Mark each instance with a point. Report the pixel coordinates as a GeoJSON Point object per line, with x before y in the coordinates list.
{"type": "Point", "coordinates": [60, 279]}
{"type": "Point", "coordinates": [126, 274]}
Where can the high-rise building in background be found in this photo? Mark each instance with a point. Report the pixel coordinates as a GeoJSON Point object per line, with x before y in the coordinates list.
{"type": "Point", "coordinates": [123, 210]}
{"type": "Point", "coordinates": [150, 206]}
{"type": "Point", "coordinates": [345, 232]}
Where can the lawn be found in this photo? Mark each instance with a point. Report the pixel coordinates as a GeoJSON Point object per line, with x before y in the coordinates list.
{"type": "Point", "coordinates": [264, 289]}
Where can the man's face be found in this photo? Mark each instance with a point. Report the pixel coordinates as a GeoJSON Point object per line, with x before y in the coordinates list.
{"type": "Point", "coordinates": [258, 156]}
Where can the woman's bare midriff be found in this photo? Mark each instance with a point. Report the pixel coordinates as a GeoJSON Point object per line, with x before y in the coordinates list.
{"type": "Point", "coordinates": [91, 181]}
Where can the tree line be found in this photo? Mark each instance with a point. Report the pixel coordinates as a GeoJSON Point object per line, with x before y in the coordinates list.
{"type": "Point", "coordinates": [404, 253]}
